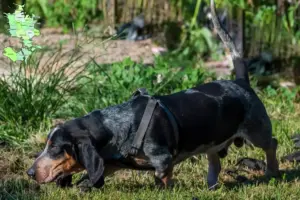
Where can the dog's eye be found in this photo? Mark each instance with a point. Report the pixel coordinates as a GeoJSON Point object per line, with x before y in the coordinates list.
{"type": "Point", "coordinates": [55, 148]}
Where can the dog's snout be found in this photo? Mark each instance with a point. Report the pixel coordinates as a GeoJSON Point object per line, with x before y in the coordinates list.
{"type": "Point", "coordinates": [31, 172]}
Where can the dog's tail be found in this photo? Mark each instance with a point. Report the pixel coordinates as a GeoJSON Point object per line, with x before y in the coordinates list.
{"type": "Point", "coordinates": [240, 68]}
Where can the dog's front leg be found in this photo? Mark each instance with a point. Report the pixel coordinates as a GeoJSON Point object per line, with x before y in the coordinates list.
{"type": "Point", "coordinates": [163, 179]}
{"type": "Point", "coordinates": [85, 185]}
{"type": "Point", "coordinates": [214, 168]}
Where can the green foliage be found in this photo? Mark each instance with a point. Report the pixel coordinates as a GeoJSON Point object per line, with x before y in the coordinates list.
{"type": "Point", "coordinates": [107, 85]}
{"type": "Point", "coordinates": [197, 44]}
{"type": "Point", "coordinates": [34, 92]}
{"type": "Point", "coordinates": [282, 99]}
{"type": "Point", "coordinates": [69, 14]}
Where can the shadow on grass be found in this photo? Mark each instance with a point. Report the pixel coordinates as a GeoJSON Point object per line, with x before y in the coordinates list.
{"type": "Point", "coordinates": [13, 189]}
{"type": "Point", "coordinates": [286, 175]}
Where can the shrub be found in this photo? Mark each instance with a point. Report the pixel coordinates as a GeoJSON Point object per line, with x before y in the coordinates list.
{"type": "Point", "coordinates": [64, 13]}
{"type": "Point", "coordinates": [107, 85]}
{"type": "Point", "coordinates": [34, 91]}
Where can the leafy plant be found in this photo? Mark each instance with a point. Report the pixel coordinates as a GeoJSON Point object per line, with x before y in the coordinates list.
{"type": "Point", "coordinates": [281, 99]}
{"type": "Point", "coordinates": [34, 91]}
{"type": "Point", "coordinates": [107, 85]}
{"type": "Point", "coordinates": [69, 14]}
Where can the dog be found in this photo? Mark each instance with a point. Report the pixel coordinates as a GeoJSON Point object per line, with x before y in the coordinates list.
{"type": "Point", "coordinates": [205, 119]}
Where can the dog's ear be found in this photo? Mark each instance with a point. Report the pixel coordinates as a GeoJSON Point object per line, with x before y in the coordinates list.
{"type": "Point", "coordinates": [92, 162]}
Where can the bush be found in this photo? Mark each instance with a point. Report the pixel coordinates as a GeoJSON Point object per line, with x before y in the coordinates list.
{"type": "Point", "coordinates": [68, 14]}
{"type": "Point", "coordinates": [35, 91]}
{"type": "Point", "coordinates": [107, 85]}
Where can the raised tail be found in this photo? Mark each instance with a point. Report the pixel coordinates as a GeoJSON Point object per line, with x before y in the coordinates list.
{"type": "Point", "coordinates": [241, 71]}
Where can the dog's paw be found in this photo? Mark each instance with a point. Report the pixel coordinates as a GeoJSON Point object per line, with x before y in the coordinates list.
{"type": "Point", "coordinates": [169, 183]}
{"type": "Point", "coordinates": [84, 189]}
{"type": "Point", "coordinates": [84, 186]}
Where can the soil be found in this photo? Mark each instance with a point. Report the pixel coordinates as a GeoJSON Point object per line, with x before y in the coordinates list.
{"type": "Point", "coordinates": [108, 51]}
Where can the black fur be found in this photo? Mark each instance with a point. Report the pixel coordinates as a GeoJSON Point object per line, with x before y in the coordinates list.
{"type": "Point", "coordinates": [210, 116]}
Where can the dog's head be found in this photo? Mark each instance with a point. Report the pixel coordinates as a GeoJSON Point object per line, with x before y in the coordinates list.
{"type": "Point", "coordinates": [67, 151]}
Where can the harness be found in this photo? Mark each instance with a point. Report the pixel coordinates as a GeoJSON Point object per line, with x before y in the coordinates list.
{"type": "Point", "coordinates": [172, 139]}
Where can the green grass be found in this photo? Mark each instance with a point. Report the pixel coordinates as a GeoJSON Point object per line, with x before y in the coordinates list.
{"type": "Point", "coordinates": [104, 85]}
{"type": "Point", "coordinates": [190, 176]}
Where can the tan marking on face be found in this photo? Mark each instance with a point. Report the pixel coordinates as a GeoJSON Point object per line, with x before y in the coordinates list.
{"type": "Point", "coordinates": [47, 169]}
{"type": "Point", "coordinates": [70, 165]}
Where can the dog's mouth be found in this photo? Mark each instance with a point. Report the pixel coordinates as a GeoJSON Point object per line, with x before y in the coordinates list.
{"type": "Point", "coordinates": [58, 177]}
{"type": "Point", "coordinates": [55, 178]}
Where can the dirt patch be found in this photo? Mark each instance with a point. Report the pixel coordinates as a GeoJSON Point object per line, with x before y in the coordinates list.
{"type": "Point", "coordinates": [13, 162]}
{"type": "Point", "coordinates": [108, 51]}
{"type": "Point", "coordinates": [104, 52]}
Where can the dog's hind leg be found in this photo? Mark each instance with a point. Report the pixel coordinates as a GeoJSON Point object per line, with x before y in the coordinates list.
{"type": "Point", "coordinates": [261, 137]}
{"type": "Point", "coordinates": [214, 168]}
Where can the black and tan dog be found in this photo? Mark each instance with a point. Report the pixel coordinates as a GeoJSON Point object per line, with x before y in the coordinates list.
{"type": "Point", "coordinates": [209, 117]}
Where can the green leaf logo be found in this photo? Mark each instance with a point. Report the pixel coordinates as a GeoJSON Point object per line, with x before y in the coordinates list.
{"type": "Point", "coordinates": [22, 27]}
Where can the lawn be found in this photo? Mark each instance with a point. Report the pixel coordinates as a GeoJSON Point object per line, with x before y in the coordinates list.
{"type": "Point", "coordinates": [62, 83]}
{"type": "Point", "coordinates": [190, 176]}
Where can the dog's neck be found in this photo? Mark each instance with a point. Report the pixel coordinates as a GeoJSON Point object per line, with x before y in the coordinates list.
{"type": "Point", "coordinates": [121, 120]}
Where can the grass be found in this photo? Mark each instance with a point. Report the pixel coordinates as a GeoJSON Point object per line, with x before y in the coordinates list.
{"type": "Point", "coordinates": [104, 85]}
{"type": "Point", "coordinates": [190, 176]}
{"type": "Point", "coordinates": [35, 90]}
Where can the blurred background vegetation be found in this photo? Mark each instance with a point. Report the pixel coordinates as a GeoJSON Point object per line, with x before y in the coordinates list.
{"type": "Point", "coordinates": [63, 80]}
{"type": "Point", "coordinates": [265, 28]}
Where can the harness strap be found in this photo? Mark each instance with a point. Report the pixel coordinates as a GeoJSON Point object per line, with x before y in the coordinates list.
{"type": "Point", "coordinates": [174, 144]}
{"type": "Point", "coordinates": [139, 136]}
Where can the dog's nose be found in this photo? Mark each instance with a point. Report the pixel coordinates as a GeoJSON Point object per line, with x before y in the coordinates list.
{"type": "Point", "coordinates": [31, 172]}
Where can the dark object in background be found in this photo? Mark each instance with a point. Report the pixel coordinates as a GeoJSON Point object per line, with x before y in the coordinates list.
{"type": "Point", "coordinates": [134, 30]}
{"type": "Point", "coordinates": [296, 140]}
{"type": "Point", "coordinates": [235, 175]}
{"type": "Point", "coordinates": [292, 157]}
{"type": "Point", "coordinates": [252, 164]}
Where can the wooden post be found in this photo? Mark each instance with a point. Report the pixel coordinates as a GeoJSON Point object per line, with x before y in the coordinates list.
{"type": "Point", "coordinates": [111, 12]}
{"type": "Point", "coordinates": [241, 31]}
{"type": "Point", "coordinates": [102, 6]}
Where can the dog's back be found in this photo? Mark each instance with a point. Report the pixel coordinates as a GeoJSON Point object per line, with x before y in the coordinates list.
{"type": "Point", "coordinates": [215, 113]}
